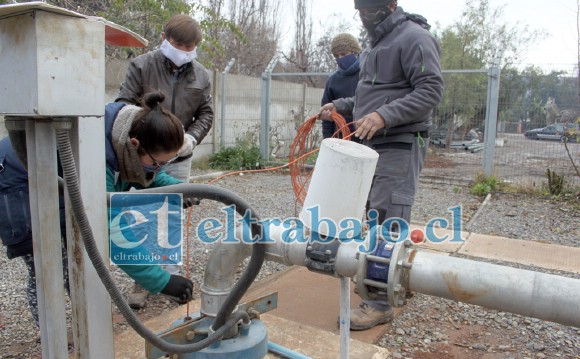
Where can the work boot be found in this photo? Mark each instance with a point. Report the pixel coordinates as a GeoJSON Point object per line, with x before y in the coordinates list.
{"type": "Point", "coordinates": [365, 317]}
{"type": "Point", "coordinates": [138, 298]}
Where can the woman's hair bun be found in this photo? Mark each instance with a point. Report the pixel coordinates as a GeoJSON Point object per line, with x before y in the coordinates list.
{"type": "Point", "coordinates": [153, 99]}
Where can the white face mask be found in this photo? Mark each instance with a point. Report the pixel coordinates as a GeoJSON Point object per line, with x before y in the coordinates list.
{"type": "Point", "coordinates": [178, 57]}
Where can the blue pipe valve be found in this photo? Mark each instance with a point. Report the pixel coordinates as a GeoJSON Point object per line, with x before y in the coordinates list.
{"type": "Point", "coordinates": [379, 262]}
{"type": "Point", "coordinates": [373, 271]}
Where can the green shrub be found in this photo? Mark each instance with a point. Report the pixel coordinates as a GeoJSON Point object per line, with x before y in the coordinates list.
{"type": "Point", "coordinates": [484, 185]}
{"type": "Point", "coordinates": [243, 156]}
{"type": "Point", "coordinates": [555, 182]}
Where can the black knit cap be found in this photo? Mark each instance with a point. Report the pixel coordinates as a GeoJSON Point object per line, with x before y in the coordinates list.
{"type": "Point", "coordinates": [362, 4]}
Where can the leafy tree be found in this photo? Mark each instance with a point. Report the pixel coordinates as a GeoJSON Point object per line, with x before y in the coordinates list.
{"type": "Point", "coordinates": [475, 41]}
{"type": "Point", "coordinates": [485, 34]}
{"type": "Point", "coordinates": [147, 18]}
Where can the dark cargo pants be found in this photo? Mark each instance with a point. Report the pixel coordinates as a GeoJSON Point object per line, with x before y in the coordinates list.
{"type": "Point", "coordinates": [401, 159]}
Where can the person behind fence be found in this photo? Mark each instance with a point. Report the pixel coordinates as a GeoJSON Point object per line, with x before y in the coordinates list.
{"type": "Point", "coordinates": [400, 85]}
{"type": "Point", "coordinates": [173, 69]}
{"type": "Point", "coordinates": [140, 142]}
{"type": "Point", "coordinates": [345, 49]}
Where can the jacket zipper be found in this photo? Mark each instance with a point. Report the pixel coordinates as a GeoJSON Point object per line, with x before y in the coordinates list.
{"type": "Point", "coordinates": [422, 58]}
{"type": "Point", "coordinates": [175, 76]}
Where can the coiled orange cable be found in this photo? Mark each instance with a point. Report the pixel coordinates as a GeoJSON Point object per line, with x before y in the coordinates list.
{"type": "Point", "coordinates": [304, 145]}
{"type": "Point", "coordinates": [306, 142]}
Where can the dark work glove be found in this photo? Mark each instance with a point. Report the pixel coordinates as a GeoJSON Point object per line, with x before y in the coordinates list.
{"type": "Point", "coordinates": [179, 287]}
{"type": "Point", "coordinates": [188, 202]}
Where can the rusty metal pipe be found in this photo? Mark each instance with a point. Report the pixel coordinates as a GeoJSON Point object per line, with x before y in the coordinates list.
{"type": "Point", "coordinates": [528, 293]}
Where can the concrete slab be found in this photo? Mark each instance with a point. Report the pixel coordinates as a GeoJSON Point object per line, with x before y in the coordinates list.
{"type": "Point", "coordinates": [129, 345]}
{"type": "Point", "coordinates": [550, 256]}
{"type": "Point", "coordinates": [311, 299]}
{"type": "Point", "coordinates": [314, 342]}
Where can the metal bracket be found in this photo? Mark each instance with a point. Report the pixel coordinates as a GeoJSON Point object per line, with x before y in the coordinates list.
{"type": "Point", "coordinates": [192, 329]}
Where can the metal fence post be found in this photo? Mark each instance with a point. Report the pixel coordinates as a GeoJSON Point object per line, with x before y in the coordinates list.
{"type": "Point", "coordinates": [265, 109]}
{"type": "Point", "coordinates": [491, 116]}
{"type": "Point", "coordinates": [223, 103]}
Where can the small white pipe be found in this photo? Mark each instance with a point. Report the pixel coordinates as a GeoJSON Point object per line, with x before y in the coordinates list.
{"type": "Point", "coordinates": [528, 293]}
{"type": "Point", "coordinates": [344, 317]}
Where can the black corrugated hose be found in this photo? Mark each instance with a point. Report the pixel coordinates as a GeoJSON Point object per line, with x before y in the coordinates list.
{"type": "Point", "coordinates": [199, 191]}
{"type": "Point", "coordinates": [227, 197]}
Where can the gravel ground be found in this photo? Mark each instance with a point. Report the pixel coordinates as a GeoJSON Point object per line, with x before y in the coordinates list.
{"type": "Point", "coordinates": [428, 327]}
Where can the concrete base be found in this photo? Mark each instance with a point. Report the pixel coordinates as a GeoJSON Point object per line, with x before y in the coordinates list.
{"type": "Point", "coordinates": [311, 299]}
{"type": "Point", "coordinates": [543, 255]}
{"type": "Point", "coordinates": [299, 337]}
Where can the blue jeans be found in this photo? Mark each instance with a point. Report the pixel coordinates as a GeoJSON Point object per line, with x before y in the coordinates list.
{"type": "Point", "coordinates": [31, 287]}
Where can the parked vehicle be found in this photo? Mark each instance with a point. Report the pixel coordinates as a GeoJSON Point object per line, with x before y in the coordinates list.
{"type": "Point", "coordinates": [556, 132]}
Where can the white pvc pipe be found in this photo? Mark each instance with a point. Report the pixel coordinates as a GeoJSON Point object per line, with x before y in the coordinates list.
{"type": "Point", "coordinates": [339, 163]}
{"type": "Point", "coordinates": [528, 293]}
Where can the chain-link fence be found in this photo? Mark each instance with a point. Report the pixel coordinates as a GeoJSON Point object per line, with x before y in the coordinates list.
{"type": "Point", "coordinates": [522, 152]}
{"type": "Point", "coordinates": [457, 147]}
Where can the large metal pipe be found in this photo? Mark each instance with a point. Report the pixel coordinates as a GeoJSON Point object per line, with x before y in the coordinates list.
{"type": "Point", "coordinates": [294, 253]}
{"type": "Point", "coordinates": [284, 252]}
{"type": "Point", "coordinates": [533, 294]}
{"type": "Point", "coordinates": [219, 275]}
{"type": "Point", "coordinates": [529, 293]}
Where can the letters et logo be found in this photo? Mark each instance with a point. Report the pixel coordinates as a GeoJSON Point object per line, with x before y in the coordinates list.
{"type": "Point", "coordinates": [145, 228]}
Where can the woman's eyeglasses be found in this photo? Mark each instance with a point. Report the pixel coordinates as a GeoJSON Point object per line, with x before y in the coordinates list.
{"type": "Point", "coordinates": [157, 165]}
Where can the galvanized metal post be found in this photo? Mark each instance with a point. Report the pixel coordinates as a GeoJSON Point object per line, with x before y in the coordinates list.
{"type": "Point", "coordinates": [265, 109]}
{"type": "Point", "coordinates": [90, 302]}
{"type": "Point", "coordinates": [303, 106]}
{"type": "Point", "coordinates": [491, 117]}
{"type": "Point", "coordinates": [223, 103]}
{"type": "Point", "coordinates": [46, 237]}
{"type": "Point", "coordinates": [214, 144]}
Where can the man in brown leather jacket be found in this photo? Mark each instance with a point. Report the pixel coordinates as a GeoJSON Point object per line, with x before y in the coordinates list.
{"type": "Point", "coordinates": [173, 70]}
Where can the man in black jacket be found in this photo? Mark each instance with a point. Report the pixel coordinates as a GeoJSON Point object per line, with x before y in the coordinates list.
{"type": "Point", "coordinates": [345, 49]}
{"type": "Point", "coordinates": [400, 85]}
